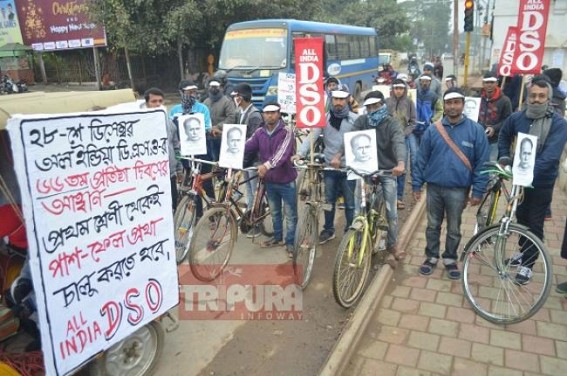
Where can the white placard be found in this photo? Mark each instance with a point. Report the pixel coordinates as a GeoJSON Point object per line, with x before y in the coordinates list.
{"type": "Point", "coordinates": [192, 135]}
{"type": "Point", "coordinates": [472, 108]}
{"type": "Point", "coordinates": [524, 160]}
{"type": "Point", "coordinates": [232, 145]}
{"type": "Point", "coordinates": [97, 207]}
{"type": "Point", "coordinates": [286, 92]}
{"type": "Point", "coordinates": [361, 152]}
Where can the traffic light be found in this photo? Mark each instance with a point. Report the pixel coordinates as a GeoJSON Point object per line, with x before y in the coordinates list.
{"type": "Point", "coordinates": [469, 15]}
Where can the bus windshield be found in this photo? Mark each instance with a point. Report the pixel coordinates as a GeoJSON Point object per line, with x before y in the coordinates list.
{"type": "Point", "coordinates": [260, 48]}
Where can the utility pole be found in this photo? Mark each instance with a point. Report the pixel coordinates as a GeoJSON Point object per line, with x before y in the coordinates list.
{"type": "Point", "coordinates": [456, 38]}
{"type": "Point", "coordinates": [468, 27]}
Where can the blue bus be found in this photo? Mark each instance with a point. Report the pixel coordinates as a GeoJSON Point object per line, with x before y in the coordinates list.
{"type": "Point", "coordinates": [256, 51]}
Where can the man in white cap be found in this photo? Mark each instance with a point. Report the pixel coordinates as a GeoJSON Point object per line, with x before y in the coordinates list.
{"type": "Point", "coordinates": [495, 107]}
{"type": "Point", "coordinates": [450, 160]}
{"type": "Point", "coordinates": [339, 121]}
{"type": "Point", "coordinates": [435, 83]}
{"type": "Point", "coordinates": [427, 105]}
{"type": "Point", "coordinates": [221, 108]}
{"type": "Point", "coordinates": [391, 154]}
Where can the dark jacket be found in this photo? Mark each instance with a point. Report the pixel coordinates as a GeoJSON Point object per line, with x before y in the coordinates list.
{"type": "Point", "coordinates": [558, 101]}
{"type": "Point", "coordinates": [438, 164]}
{"type": "Point", "coordinates": [274, 151]}
{"type": "Point", "coordinates": [547, 159]}
{"type": "Point", "coordinates": [493, 111]}
{"type": "Point", "coordinates": [390, 144]}
{"type": "Point", "coordinates": [222, 110]}
{"type": "Point", "coordinates": [403, 109]}
{"type": "Point", "coordinates": [428, 109]}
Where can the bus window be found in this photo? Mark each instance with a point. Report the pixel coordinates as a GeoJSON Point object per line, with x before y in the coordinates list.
{"type": "Point", "coordinates": [330, 47]}
{"type": "Point", "coordinates": [254, 48]}
{"type": "Point", "coordinates": [364, 46]}
{"type": "Point", "coordinates": [354, 46]}
{"type": "Point", "coordinates": [342, 47]}
{"type": "Point", "coordinates": [373, 46]}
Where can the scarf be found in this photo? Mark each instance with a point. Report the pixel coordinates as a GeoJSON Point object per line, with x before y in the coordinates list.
{"type": "Point", "coordinates": [337, 117]}
{"type": "Point", "coordinates": [215, 95]}
{"type": "Point", "coordinates": [541, 115]}
{"type": "Point", "coordinates": [187, 101]}
{"type": "Point", "coordinates": [376, 117]}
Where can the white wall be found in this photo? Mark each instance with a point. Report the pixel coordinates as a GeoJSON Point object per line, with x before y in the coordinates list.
{"type": "Point", "coordinates": [506, 14]}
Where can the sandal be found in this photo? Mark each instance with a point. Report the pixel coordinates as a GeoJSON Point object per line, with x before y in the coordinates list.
{"type": "Point", "coordinates": [453, 271]}
{"type": "Point", "coordinates": [272, 243]}
{"type": "Point", "coordinates": [427, 267]}
{"type": "Point", "coordinates": [401, 205]}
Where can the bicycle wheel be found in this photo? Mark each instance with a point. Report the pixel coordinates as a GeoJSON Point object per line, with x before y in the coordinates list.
{"type": "Point", "coordinates": [352, 266]}
{"type": "Point", "coordinates": [266, 226]}
{"type": "Point", "coordinates": [486, 213]}
{"type": "Point", "coordinates": [306, 241]}
{"type": "Point", "coordinates": [184, 222]}
{"type": "Point", "coordinates": [212, 243]}
{"type": "Point", "coordinates": [494, 293]}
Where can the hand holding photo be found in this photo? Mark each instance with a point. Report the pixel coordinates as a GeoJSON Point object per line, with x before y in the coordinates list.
{"type": "Point", "coordinates": [192, 134]}
{"type": "Point", "coordinates": [232, 145]}
{"type": "Point", "coordinates": [360, 151]}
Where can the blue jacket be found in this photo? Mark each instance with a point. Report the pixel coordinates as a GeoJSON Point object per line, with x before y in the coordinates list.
{"type": "Point", "coordinates": [438, 164]}
{"type": "Point", "coordinates": [547, 159]}
{"type": "Point", "coordinates": [275, 151]}
{"type": "Point", "coordinates": [197, 107]}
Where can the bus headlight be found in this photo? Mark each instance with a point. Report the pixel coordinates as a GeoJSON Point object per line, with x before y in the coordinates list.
{"type": "Point", "coordinates": [272, 90]}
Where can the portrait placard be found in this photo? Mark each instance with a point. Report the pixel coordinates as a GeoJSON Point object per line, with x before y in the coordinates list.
{"type": "Point", "coordinates": [361, 152]}
{"type": "Point", "coordinates": [524, 160]}
{"type": "Point", "coordinates": [97, 206]}
{"type": "Point", "coordinates": [286, 92]}
{"type": "Point", "coordinates": [232, 145]}
{"type": "Point", "coordinates": [192, 135]}
{"type": "Point", "coordinates": [472, 108]}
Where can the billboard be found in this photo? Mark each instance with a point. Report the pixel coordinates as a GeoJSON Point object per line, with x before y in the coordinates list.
{"type": "Point", "coordinates": [58, 25]}
{"type": "Point", "coordinates": [9, 25]}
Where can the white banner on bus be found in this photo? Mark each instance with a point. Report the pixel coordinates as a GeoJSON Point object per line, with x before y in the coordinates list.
{"type": "Point", "coordinates": [97, 207]}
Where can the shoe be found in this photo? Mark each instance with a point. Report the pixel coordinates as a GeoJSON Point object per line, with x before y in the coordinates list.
{"type": "Point", "coordinates": [453, 271]}
{"type": "Point", "coordinates": [290, 250]}
{"type": "Point", "coordinates": [272, 243]}
{"type": "Point", "coordinates": [254, 232]}
{"type": "Point", "coordinates": [548, 218]}
{"type": "Point", "coordinates": [398, 254]}
{"type": "Point", "coordinates": [561, 288]}
{"type": "Point", "coordinates": [428, 266]}
{"type": "Point", "coordinates": [401, 205]}
{"type": "Point", "coordinates": [524, 275]}
{"type": "Point", "coordinates": [325, 236]}
{"type": "Point", "coordinates": [515, 260]}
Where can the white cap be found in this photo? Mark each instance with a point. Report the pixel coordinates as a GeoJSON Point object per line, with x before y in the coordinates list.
{"type": "Point", "coordinates": [427, 78]}
{"type": "Point", "coordinates": [339, 94]}
{"type": "Point", "coordinates": [453, 95]}
{"type": "Point", "coordinates": [214, 83]}
{"type": "Point", "coordinates": [271, 108]}
{"type": "Point", "coordinates": [490, 79]}
{"type": "Point", "coordinates": [189, 87]}
{"type": "Point", "coordinates": [371, 101]}
{"type": "Point", "coordinates": [402, 76]}
{"type": "Point", "coordinates": [398, 85]}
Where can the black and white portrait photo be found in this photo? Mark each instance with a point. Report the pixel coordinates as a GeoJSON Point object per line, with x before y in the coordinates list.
{"type": "Point", "coordinates": [524, 159]}
{"type": "Point", "coordinates": [192, 134]}
{"type": "Point", "coordinates": [232, 145]}
{"type": "Point", "coordinates": [360, 151]}
{"type": "Point", "coordinates": [472, 108]}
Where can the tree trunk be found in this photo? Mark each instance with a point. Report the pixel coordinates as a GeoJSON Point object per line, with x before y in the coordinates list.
{"type": "Point", "coordinates": [127, 56]}
{"type": "Point", "coordinates": [180, 57]}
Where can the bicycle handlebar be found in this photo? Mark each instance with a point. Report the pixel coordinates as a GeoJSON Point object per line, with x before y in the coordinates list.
{"type": "Point", "coordinates": [363, 174]}
{"type": "Point", "coordinates": [496, 168]}
{"type": "Point", "coordinates": [303, 164]}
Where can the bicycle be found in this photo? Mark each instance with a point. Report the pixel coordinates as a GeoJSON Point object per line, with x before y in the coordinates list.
{"type": "Point", "coordinates": [363, 238]}
{"type": "Point", "coordinates": [307, 230]}
{"type": "Point", "coordinates": [493, 257]}
{"type": "Point", "coordinates": [185, 215]}
{"type": "Point", "coordinates": [216, 232]}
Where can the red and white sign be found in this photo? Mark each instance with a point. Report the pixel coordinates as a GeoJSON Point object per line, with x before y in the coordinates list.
{"type": "Point", "coordinates": [507, 55]}
{"type": "Point", "coordinates": [532, 28]}
{"type": "Point", "coordinates": [309, 83]}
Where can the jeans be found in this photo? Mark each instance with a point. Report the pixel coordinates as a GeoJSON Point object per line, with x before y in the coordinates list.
{"type": "Point", "coordinates": [531, 213]}
{"type": "Point", "coordinates": [409, 153]}
{"type": "Point", "coordinates": [493, 148]}
{"type": "Point", "coordinates": [277, 193]}
{"type": "Point", "coordinates": [441, 202]}
{"type": "Point", "coordinates": [336, 182]}
{"type": "Point", "coordinates": [251, 186]}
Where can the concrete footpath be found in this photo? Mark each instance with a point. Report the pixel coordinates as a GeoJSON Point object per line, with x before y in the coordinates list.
{"type": "Point", "coordinates": [424, 326]}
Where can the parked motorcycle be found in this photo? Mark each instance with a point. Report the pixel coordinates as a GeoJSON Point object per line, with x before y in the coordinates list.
{"type": "Point", "coordinates": [7, 85]}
